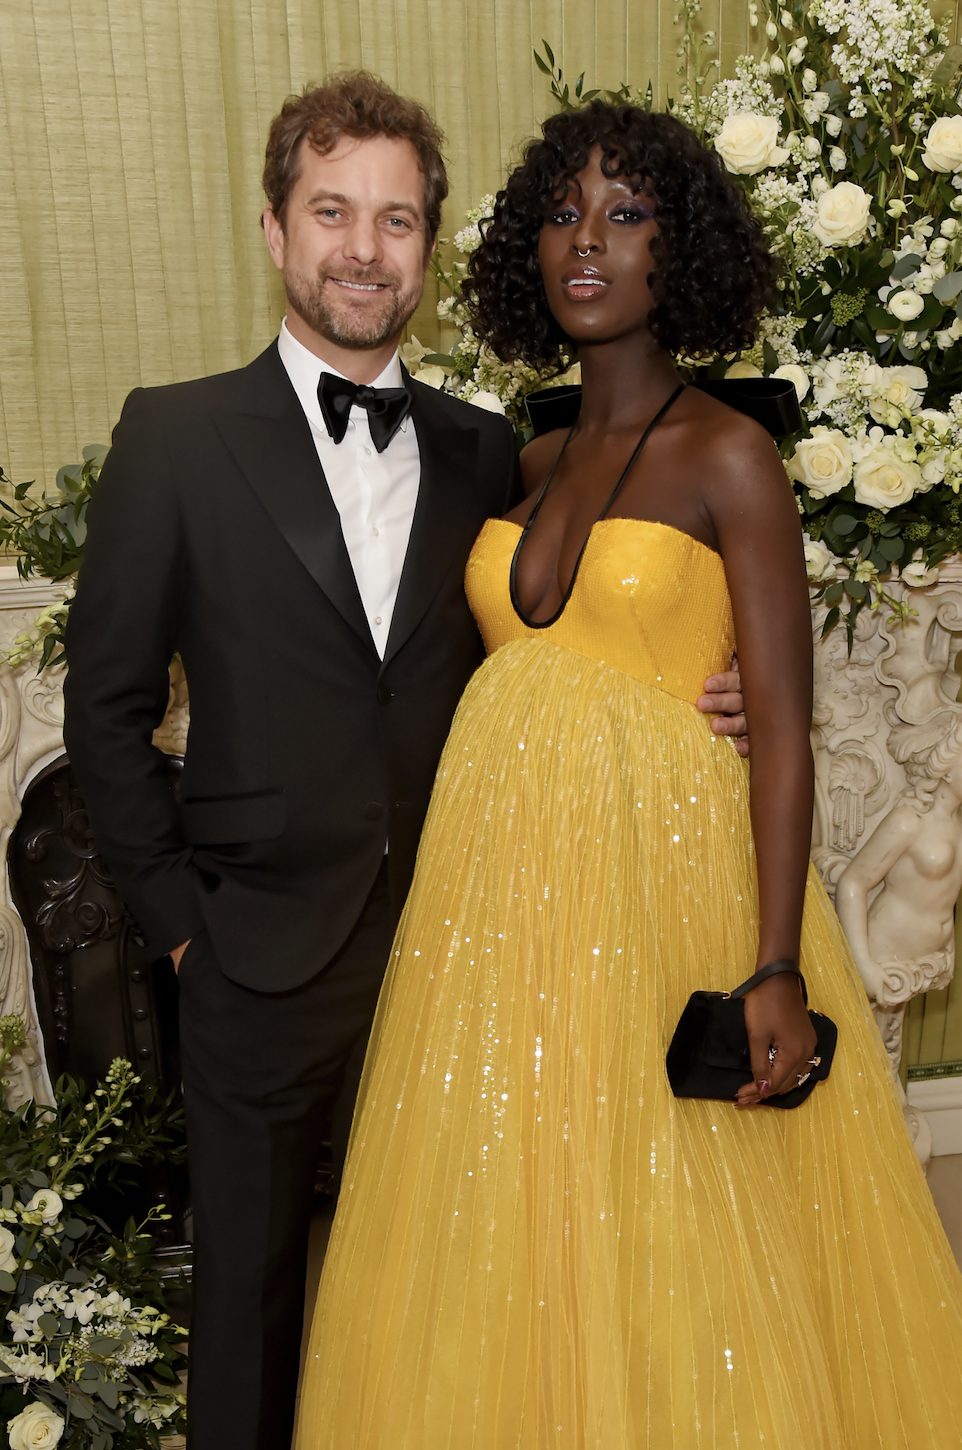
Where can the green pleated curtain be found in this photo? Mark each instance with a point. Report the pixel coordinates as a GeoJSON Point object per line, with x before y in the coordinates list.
{"type": "Point", "coordinates": [131, 154]}
{"type": "Point", "coordinates": [131, 144]}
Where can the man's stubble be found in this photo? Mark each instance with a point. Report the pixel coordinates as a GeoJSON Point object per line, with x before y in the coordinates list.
{"type": "Point", "coordinates": [349, 325]}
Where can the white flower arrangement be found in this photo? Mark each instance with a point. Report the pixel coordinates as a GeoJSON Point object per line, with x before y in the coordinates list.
{"type": "Point", "coordinates": [87, 1362]}
{"type": "Point", "coordinates": [848, 141]}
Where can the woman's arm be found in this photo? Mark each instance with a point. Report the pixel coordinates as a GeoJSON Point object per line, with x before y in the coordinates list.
{"type": "Point", "coordinates": [756, 522]}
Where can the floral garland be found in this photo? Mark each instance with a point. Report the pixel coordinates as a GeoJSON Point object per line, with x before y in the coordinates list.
{"type": "Point", "coordinates": [848, 141]}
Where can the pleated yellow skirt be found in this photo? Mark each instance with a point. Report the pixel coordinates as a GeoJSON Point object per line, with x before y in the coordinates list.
{"type": "Point", "coordinates": [537, 1247]}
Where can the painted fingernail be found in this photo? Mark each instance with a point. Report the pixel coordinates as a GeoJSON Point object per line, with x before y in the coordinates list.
{"type": "Point", "coordinates": [763, 1087]}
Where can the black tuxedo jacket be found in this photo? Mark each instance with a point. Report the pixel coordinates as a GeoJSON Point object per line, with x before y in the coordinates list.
{"type": "Point", "coordinates": [213, 534]}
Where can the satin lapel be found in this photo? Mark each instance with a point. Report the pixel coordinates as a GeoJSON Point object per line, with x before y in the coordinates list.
{"type": "Point", "coordinates": [271, 442]}
{"type": "Point", "coordinates": [442, 517]}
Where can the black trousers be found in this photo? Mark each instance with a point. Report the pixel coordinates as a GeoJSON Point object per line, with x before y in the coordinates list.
{"type": "Point", "coordinates": [262, 1073]}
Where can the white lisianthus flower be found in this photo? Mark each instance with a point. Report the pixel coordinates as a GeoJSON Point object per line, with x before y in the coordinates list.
{"type": "Point", "coordinates": [412, 352]}
{"type": "Point", "coordinates": [894, 392]}
{"type": "Point", "coordinates": [823, 463]}
{"type": "Point", "coordinates": [35, 1428]}
{"type": "Point", "coordinates": [833, 125]}
{"type": "Point", "coordinates": [904, 305]}
{"type": "Point", "coordinates": [943, 144]}
{"type": "Point", "coordinates": [915, 574]}
{"type": "Point", "coordinates": [933, 420]}
{"type": "Point", "coordinates": [819, 560]}
{"type": "Point", "coordinates": [8, 1259]}
{"type": "Point", "coordinates": [48, 1204]}
{"type": "Point", "coordinates": [883, 479]}
{"type": "Point", "coordinates": [748, 143]}
{"type": "Point", "coordinates": [842, 215]}
{"type": "Point", "coordinates": [744, 370]}
{"type": "Point", "coordinates": [490, 402]}
{"type": "Point", "coordinates": [836, 158]}
{"type": "Point", "coordinates": [827, 382]}
{"type": "Point", "coordinates": [794, 374]}
{"type": "Point", "coordinates": [433, 375]}
{"type": "Point", "coordinates": [933, 468]}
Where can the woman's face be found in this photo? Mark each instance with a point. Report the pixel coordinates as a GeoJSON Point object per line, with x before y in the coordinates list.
{"type": "Point", "coordinates": [595, 256]}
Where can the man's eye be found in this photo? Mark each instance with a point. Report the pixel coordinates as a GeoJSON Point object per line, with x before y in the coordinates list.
{"type": "Point", "coordinates": [329, 213]}
{"type": "Point", "coordinates": [397, 223]}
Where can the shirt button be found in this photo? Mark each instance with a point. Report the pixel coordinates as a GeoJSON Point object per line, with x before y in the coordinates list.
{"type": "Point", "coordinates": [377, 619]}
{"type": "Point", "coordinates": [374, 531]}
{"type": "Point", "coordinates": [367, 451]}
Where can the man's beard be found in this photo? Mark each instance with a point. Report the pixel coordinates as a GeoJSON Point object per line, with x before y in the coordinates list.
{"type": "Point", "coordinates": [333, 315]}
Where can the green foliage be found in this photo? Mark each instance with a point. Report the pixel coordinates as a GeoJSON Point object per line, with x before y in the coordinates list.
{"type": "Point", "coordinates": [48, 536]}
{"type": "Point", "coordinates": [82, 1326]}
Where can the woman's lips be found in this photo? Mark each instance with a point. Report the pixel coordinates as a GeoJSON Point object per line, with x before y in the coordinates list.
{"type": "Point", "coordinates": [584, 284]}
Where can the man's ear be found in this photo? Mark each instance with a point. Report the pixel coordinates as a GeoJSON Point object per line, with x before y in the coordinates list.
{"type": "Point", "coordinates": [276, 240]}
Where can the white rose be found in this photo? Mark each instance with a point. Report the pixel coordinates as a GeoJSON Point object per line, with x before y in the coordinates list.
{"type": "Point", "coordinates": [433, 375]}
{"type": "Point", "coordinates": [748, 143]}
{"type": "Point", "coordinates": [943, 144]}
{"type": "Point", "coordinates": [35, 1428]}
{"type": "Point", "coordinates": [8, 1259]}
{"type": "Point", "coordinates": [744, 370]}
{"type": "Point", "coordinates": [823, 463]}
{"type": "Point", "coordinates": [842, 215]}
{"type": "Point", "coordinates": [915, 574]}
{"type": "Point", "coordinates": [836, 158]}
{"type": "Point", "coordinates": [899, 388]}
{"type": "Point", "coordinates": [819, 560]}
{"type": "Point", "coordinates": [833, 125]}
{"type": "Point", "coordinates": [904, 305]}
{"type": "Point", "coordinates": [490, 402]}
{"type": "Point", "coordinates": [48, 1204]}
{"type": "Point", "coordinates": [883, 480]}
{"type": "Point", "coordinates": [796, 375]}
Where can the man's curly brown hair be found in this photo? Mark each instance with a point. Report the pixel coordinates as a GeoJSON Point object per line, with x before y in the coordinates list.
{"type": "Point", "coordinates": [713, 273]}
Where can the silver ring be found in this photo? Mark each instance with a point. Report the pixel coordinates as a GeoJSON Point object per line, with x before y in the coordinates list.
{"type": "Point", "coordinates": [586, 253]}
{"type": "Point", "coordinates": [802, 1077]}
{"type": "Point", "coordinates": [771, 1054]}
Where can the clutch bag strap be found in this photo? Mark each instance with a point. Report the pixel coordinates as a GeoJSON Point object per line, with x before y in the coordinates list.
{"type": "Point", "coordinates": [771, 969]}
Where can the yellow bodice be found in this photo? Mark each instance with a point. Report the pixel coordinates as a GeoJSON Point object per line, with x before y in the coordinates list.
{"type": "Point", "coordinates": [648, 600]}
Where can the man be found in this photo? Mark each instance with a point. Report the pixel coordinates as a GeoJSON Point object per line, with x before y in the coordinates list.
{"type": "Point", "coordinates": [297, 531]}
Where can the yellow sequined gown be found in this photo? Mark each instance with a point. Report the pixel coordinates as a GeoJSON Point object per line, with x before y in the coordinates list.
{"type": "Point", "coordinates": [537, 1247]}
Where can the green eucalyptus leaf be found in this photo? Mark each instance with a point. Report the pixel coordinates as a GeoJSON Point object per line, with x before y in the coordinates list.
{"type": "Point", "coordinates": [891, 549]}
{"type": "Point", "coordinates": [75, 1228]}
{"type": "Point", "coordinates": [906, 266]}
{"type": "Point", "coordinates": [79, 1405]}
{"type": "Point", "coordinates": [856, 588]}
{"type": "Point", "coordinates": [105, 1345]}
{"type": "Point", "coordinates": [843, 523]}
{"type": "Point", "coordinates": [833, 592]}
{"type": "Point", "coordinates": [831, 619]}
{"type": "Point", "coordinates": [7, 1282]}
{"type": "Point", "coordinates": [49, 1323]}
{"type": "Point", "coordinates": [947, 288]}
{"type": "Point", "coordinates": [109, 1392]}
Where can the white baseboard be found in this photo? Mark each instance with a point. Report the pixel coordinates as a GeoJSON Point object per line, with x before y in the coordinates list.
{"type": "Point", "coordinates": [940, 1099]}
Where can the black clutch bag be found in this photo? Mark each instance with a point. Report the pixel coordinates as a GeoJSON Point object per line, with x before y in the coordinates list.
{"type": "Point", "coordinates": [709, 1056]}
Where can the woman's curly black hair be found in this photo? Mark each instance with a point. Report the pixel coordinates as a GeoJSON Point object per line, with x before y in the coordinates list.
{"type": "Point", "coordinates": [713, 273]}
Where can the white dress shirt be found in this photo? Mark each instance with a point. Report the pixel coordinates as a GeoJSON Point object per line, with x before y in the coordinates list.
{"type": "Point", "coordinates": [374, 493]}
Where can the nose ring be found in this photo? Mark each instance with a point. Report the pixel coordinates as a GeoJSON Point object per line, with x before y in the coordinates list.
{"type": "Point", "coordinates": [584, 253]}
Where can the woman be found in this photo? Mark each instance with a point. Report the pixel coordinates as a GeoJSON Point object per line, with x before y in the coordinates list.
{"type": "Point", "coordinates": [537, 1245]}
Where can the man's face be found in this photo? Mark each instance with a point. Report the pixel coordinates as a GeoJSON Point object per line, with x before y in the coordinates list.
{"type": "Point", "coordinates": [354, 246]}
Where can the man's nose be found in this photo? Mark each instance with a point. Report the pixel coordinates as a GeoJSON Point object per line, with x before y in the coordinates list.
{"type": "Point", "coordinates": [362, 242]}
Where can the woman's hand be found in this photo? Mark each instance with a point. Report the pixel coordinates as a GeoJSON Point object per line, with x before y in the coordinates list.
{"type": "Point", "coordinates": [776, 1017]}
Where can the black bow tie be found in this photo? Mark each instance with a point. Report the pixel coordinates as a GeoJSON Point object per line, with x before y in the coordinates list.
{"type": "Point", "coordinates": [386, 408]}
